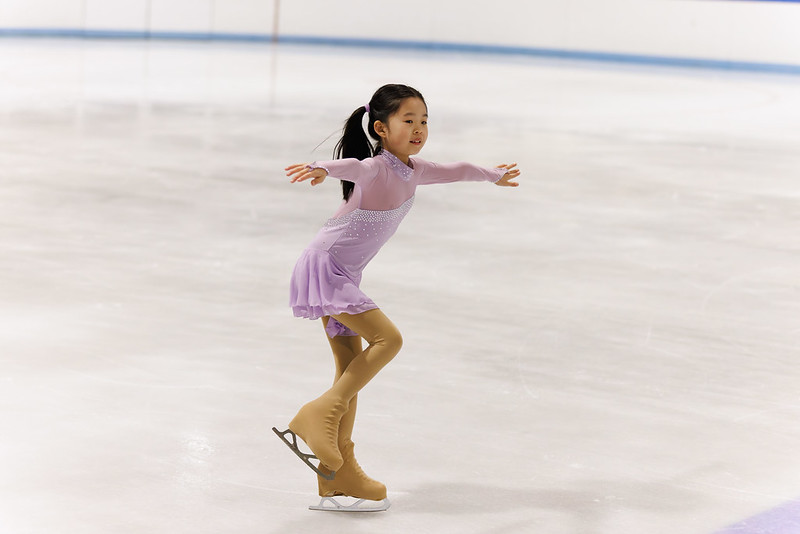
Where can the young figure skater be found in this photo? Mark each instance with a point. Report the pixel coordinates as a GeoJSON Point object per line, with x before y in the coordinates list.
{"type": "Point", "coordinates": [378, 184]}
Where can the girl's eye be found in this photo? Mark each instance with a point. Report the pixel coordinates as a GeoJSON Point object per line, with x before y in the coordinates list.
{"type": "Point", "coordinates": [424, 123]}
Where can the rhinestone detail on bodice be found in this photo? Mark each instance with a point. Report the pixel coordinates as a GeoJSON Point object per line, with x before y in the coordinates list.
{"type": "Point", "coordinates": [373, 216]}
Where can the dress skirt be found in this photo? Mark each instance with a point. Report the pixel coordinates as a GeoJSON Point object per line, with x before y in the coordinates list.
{"type": "Point", "coordinates": [320, 287]}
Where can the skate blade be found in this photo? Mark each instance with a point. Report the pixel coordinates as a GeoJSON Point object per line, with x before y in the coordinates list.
{"type": "Point", "coordinates": [305, 457]}
{"type": "Point", "coordinates": [331, 504]}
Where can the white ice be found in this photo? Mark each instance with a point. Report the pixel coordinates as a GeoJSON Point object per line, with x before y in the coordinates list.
{"type": "Point", "coordinates": [612, 347]}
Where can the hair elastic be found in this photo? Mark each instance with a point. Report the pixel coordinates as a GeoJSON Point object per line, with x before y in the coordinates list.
{"type": "Point", "coordinates": [366, 106]}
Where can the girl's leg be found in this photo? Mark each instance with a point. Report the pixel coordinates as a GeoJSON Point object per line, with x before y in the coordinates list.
{"type": "Point", "coordinates": [350, 480]}
{"type": "Point", "coordinates": [384, 341]}
{"type": "Point", "coordinates": [345, 349]}
{"type": "Point", "coordinates": [317, 423]}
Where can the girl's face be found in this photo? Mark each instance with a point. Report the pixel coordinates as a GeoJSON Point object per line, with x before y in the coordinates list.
{"type": "Point", "coordinates": [407, 129]}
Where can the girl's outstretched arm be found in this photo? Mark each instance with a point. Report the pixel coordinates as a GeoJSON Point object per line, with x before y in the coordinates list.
{"type": "Point", "coordinates": [445, 173]}
{"type": "Point", "coordinates": [300, 172]}
{"type": "Point", "coordinates": [350, 169]}
{"type": "Point", "coordinates": [512, 172]}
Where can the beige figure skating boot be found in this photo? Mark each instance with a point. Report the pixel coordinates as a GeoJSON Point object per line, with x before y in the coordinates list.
{"type": "Point", "coordinates": [350, 480]}
{"type": "Point", "coordinates": [317, 423]}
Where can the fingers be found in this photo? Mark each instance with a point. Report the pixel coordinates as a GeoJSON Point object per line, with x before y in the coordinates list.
{"type": "Point", "coordinates": [294, 169]}
{"type": "Point", "coordinates": [511, 172]}
{"type": "Point", "coordinates": [299, 172]}
{"type": "Point", "coordinates": [302, 177]}
{"type": "Point", "coordinates": [508, 166]}
{"type": "Point", "coordinates": [302, 172]}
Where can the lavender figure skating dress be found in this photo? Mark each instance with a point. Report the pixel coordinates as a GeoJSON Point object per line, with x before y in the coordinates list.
{"type": "Point", "coordinates": [327, 275]}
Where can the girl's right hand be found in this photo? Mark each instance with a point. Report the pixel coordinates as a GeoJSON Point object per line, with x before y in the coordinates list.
{"type": "Point", "coordinates": [301, 172]}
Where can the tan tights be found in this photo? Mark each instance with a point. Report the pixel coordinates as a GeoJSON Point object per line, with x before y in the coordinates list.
{"type": "Point", "coordinates": [320, 422]}
{"type": "Point", "coordinates": [350, 479]}
{"type": "Point", "coordinates": [356, 367]}
{"type": "Point", "coordinates": [345, 349]}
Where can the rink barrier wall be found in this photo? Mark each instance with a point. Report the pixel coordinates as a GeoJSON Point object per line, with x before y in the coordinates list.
{"type": "Point", "coordinates": [553, 53]}
{"type": "Point", "coordinates": [430, 46]}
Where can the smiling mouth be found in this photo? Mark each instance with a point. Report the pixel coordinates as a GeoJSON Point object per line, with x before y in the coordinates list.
{"type": "Point", "coordinates": [416, 141]}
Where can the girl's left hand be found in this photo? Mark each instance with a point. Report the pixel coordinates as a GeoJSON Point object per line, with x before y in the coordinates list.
{"type": "Point", "coordinates": [512, 173]}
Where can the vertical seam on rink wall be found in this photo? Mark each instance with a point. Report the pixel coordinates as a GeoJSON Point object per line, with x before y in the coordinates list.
{"type": "Point", "coordinates": [276, 18]}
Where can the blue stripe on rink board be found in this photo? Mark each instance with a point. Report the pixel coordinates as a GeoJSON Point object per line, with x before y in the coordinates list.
{"type": "Point", "coordinates": [784, 519]}
{"type": "Point", "coordinates": [553, 53]}
{"type": "Point", "coordinates": [133, 34]}
{"type": "Point", "coordinates": [612, 57]}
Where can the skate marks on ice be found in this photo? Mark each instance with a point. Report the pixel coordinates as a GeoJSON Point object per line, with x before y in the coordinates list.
{"type": "Point", "coordinates": [304, 456]}
{"type": "Point", "coordinates": [593, 506]}
{"type": "Point", "coordinates": [350, 505]}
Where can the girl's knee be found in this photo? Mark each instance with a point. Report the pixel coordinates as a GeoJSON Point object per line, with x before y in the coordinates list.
{"type": "Point", "coordinates": [376, 329]}
{"type": "Point", "coordinates": [394, 339]}
{"type": "Point", "coordinates": [389, 337]}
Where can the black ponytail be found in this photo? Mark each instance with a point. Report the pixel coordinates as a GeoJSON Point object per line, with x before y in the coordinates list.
{"type": "Point", "coordinates": [354, 142]}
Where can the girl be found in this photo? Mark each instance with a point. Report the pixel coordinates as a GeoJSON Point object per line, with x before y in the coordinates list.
{"type": "Point", "coordinates": [378, 184]}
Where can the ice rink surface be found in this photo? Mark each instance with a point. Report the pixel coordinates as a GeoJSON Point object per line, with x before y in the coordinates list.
{"type": "Point", "coordinates": [611, 348]}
